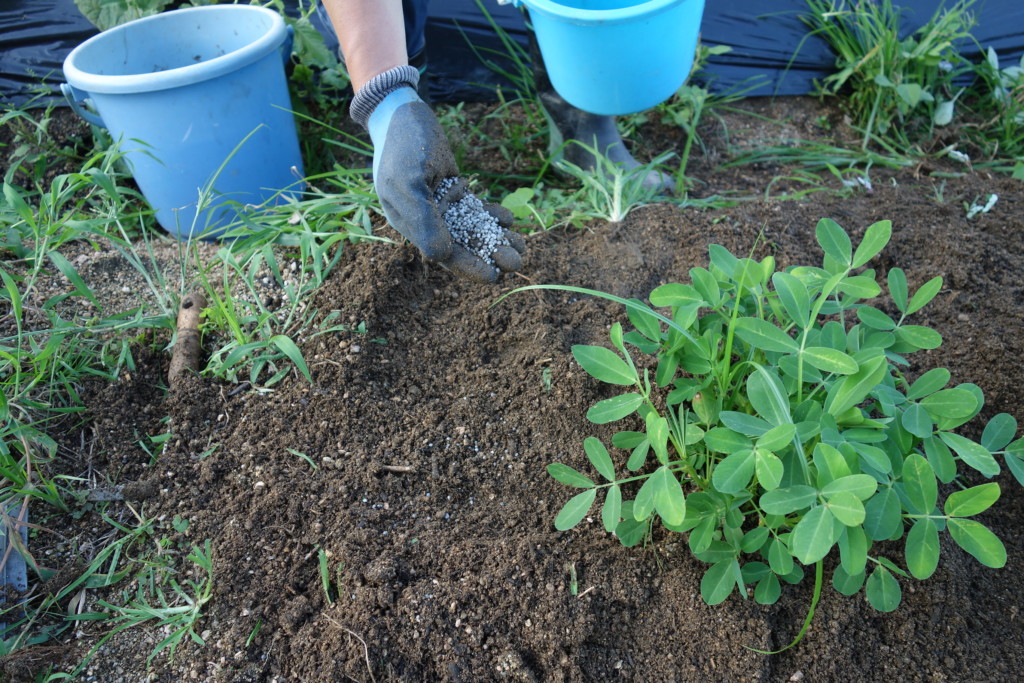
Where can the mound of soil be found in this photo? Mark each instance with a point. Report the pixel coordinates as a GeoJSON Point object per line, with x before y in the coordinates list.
{"type": "Point", "coordinates": [416, 461]}
{"type": "Point", "coordinates": [451, 570]}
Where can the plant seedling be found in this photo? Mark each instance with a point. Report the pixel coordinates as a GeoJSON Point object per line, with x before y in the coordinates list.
{"type": "Point", "coordinates": [778, 427]}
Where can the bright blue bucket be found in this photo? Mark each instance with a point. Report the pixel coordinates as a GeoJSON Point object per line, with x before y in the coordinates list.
{"type": "Point", "coordinates": [198, 99]}
{"type": "Point", "coordinates": [616, 56]}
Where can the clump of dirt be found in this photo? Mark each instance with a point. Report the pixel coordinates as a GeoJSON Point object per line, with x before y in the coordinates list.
{"type": "Point", "coordinates": [415, 463]}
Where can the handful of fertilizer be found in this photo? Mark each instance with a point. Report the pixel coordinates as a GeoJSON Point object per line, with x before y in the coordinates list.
{"type": "Point", "coordinates": [471, 224]}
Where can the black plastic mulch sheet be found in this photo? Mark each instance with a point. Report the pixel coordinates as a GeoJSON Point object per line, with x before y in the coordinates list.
{"type": "Point", "coordinates": [36, 35]}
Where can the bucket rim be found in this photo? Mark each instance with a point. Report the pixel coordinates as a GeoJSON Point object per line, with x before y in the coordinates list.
{"type": "Point", "coordinates": [586, 17]}
{"type": "Point", "coordinates": [274, 36]}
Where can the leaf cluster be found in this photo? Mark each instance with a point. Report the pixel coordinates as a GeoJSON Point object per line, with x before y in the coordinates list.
{"type": "Point", "coordinates": [777, 426]}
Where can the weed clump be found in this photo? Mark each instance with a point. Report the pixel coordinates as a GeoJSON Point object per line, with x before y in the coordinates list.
{"type": "Point", "coordinates": [471, 224]}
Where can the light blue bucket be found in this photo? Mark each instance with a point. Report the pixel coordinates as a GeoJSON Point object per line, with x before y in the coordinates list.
{"type": "Point", "coordinates": [198, 99]}
{"type": "Point", "coordinates": [616, 56]}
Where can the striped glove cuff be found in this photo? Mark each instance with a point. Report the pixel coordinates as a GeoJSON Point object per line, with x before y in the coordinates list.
{"type": "Point", "coordinates": [379, 87]}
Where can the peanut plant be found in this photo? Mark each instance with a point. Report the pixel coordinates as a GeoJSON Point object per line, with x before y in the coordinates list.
{"type": "Point", "coordinates": [778, 426]}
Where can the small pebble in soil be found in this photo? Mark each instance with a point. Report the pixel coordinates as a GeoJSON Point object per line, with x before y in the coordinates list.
{"type": "Point", "coordinates": [470, 224]}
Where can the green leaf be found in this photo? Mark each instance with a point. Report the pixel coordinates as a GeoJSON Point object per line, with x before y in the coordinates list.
{"type": "Point", "coordinates": [20, 206]}
{"type": "Point", "coordinates": [830, 463]}
{"type": "Point", "coordinates": [604, 364]}
{"type": "Point", "coordinates": [630, 532]}
{"type": "Point", "coordinates": [911, 93]}
{"type": "Point", "coordinates": [779, 558]}
{"type": "Point", "coordinates": [769, 469]}
{"type": "Point", "coordinates": [852, 389]}
{"type": "Point", "coordinates": [898, 288]}
{"type": "Point", "coordinates": [875, 319]}
{"type": "Point", "coordinates": [81, 289]}
{"type": "Point", "coordinates": [847, 508]}
{"type": "Point", "coordinates": [669, 502]}
{"type": "Point", "coordinates": [614, 408]}
{"type": "Point", "coordinates": [611, 513]}
{"type": "Point", "coordinates": [973, 454]}
{"type": "Point", "coordinates": [928, 383]}
{"type": "Point", "coordinates": [599, 458]}
{"type": "Point", "coordinates": [718, 581]}
{"type": "Point", "coordinates": [768, 590]}
{"type": "Point", "coordinates": [643, 504]}
{"type": "Point", "coordinates": [768, 396]}
{"type": "Point", "coordinates": [286, 346]}
{"type": "Point", "coordinates": [919, 484]}
{"type": "Point", "coordinates": [925, 294]}
{"type": "Point", "coordinates": [754, 539]}
{"type": "Point", "coordinates": [863, 486]}
{"type": "Point", "coordinates": [657, 434]}
{"type": "Point", "coordinates": [743, 423]}
{"type": "Point", "coordinates": [883, 590]}
{"type": "Point", "coordinates": [978, 541]}
{"type": "Point", "coordinates": [794, 297]}
{"type": "Point", "coordinates": [922, 548]}
{"type": "Point", "coordinates": [972, 501]}
{"type": "Point", "coordinates": [569, 476]}
{"type": "Point", "coordinates": [763, 335]}
{"type": "Point", "coordinates": [950, 403]}
{"type": "Point", "coordinates": [1015, 459]}
{"type": "Point", "coordinates": [873, 456]}
{"type": "Point", "coordinates": [734, 473]}
{"type": "Point", "coordinates": [639, 456]}
{"type": "Point", "coordinates": [941, 459]}
{"type": "Point", "coordinates": [645, 323]}
{"type": "Point", "coordinates": [575, 510]}
{"type": "Point", "coordinates": [875, 238]}
{"type": "Point", "coordinates": [917, 421]}
{"type": "Point", "coordinates": [703, 535]}
{"type": "Point", "coordinates": [834, 241]}
{"type": "Point", "coordinates": [999, 431]}
{"type": "Point", "coordinates": [853, 550]}
{"type": "Point", "coordinates": [814, 535]}
{"type": "Point", "coordinates": [675, 294]}
{"type": "Point", "coordinates": [944, 113]}
{"type": "Point", "coordinates": [786, 500]}
{"type": "Point", "coordinates": [859, 286]}
{"type": "Point", "coordinates": [830, 360]}
{"type": "Point", "coordinates": [919, 336]}
{"type": "Point", "coordinates": [627, 439]}
{"type": "Point", "coordinates": [519, 202]}
{"type": "Point", "coordinates": [777, 438]}
{"type": "Point", "coordinates": [723, 440]}
{"type": "Point", "coordinates": [846, 583]}
{"type": "Point", "coordinates": [882, 515]}
{"type": "Point", "coordinates": [706, 284]}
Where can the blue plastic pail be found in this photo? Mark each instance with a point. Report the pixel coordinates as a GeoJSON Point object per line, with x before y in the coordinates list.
{"type": "Point", "coordinates": [616, 56]}
{"type": "Point", "coordinates": [198, 99]}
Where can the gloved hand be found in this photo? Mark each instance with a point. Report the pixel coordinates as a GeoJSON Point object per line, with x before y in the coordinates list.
{"type": "Point", "coordinates": [411, 159]}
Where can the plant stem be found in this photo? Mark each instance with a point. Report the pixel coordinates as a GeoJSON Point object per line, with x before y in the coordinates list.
{"type": "Point", "coordinates": [818, 572]}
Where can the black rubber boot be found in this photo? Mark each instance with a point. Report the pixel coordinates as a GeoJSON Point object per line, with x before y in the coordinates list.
{"type": "Point", "coordinates": [569, 125]}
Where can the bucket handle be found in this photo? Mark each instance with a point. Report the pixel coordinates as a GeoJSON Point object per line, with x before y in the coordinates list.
{"type": "Point", "coordinates": [75, 97]}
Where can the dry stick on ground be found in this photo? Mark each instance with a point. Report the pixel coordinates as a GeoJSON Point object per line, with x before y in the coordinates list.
{"type": "Point", "coordinates": [399, 469]}
{"type": "Point", "coordinates": [366, 650]}
{"type": "Point", "coordinates": [188, 347]}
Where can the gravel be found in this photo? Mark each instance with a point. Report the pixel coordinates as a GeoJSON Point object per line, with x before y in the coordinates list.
{"type": "Point", "coordinates": [471, 225]}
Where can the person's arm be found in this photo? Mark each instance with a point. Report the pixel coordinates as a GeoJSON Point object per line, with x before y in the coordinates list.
{"type": "Point", "coordinates": [414, 171]}
{"type": "Point", "coordinates": [372, 36]}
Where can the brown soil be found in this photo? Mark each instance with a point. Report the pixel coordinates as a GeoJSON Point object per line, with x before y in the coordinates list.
{"type": "Point", "coordinates": [451, 570]}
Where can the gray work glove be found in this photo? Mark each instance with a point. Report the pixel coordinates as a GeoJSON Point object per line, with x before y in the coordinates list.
{"type": "Point", "coordinates": [411, 159]}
